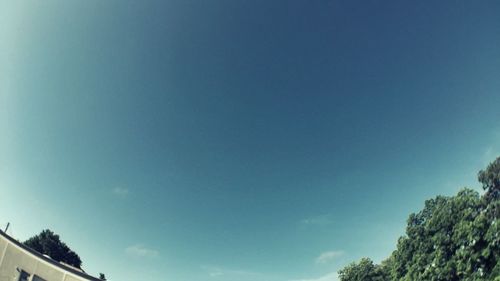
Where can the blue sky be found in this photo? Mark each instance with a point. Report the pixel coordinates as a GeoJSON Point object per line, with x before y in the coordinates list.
{"type": "Point", "coordinates": [240, 140]}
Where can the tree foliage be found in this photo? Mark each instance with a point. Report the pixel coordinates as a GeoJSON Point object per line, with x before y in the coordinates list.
{"type": "Point", "coordinates": [364, 270]}
{"type": "Point", "coordinates": [451, 238]}
{"type": "Point", "coordinates": [49, 243]}
{"type": "Point", "coordinates": [490, 178]}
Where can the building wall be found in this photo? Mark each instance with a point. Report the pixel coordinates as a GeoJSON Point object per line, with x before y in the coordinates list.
{"type": "Point", "coordinates": [14, 258]}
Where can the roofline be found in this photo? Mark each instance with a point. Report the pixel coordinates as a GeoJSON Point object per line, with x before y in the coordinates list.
{"type": "Point", "coordinates": [47, 259]}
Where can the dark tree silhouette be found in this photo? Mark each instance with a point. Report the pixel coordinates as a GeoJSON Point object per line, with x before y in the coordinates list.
{"type": "Point", "coordinates": [48, 243]}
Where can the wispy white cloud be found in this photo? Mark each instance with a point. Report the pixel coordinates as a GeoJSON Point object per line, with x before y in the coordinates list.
{"type": "Point", "coordinates": [141, 251]}
{"type": "Point", "coordinates": [215, 271]}
{"type": "Point", "coordinates": [120, 191]}
{"type": "Point", "coordinates": [332, 276]}
{"type": "Point", "coordinates": [328, 256]}
{"type": "Point", "coordinates": [317, 220]}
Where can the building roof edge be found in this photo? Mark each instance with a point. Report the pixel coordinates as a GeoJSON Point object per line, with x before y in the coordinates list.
{"type": "Point", "coordinates": [47, 259]}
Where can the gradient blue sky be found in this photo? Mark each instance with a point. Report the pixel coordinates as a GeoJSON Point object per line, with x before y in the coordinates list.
{"type": "Point", "coordinates": [240, 140]}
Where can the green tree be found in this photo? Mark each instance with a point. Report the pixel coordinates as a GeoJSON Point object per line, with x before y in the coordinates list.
{"type": "Point", "coordinates": [490, 178]}
{"type": "Point", "coordinates": [445, 241]}
{"type": "Point", "coordinates": [48, 243]}
{"type": "Point", "coordinates": [450, 239]}
{"type": "Point", "coordinates": [365, 270]}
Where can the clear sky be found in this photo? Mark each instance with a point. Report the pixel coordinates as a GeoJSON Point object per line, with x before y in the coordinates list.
{"type": "Point", "coordinates": [240, 140]}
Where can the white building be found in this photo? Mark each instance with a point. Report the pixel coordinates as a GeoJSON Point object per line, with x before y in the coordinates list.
{"type": "Point", "coordinates": [20, 263]}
